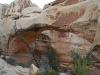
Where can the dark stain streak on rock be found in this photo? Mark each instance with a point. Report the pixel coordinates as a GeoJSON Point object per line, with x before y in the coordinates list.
{"type": "Point", "coordinates": [96, 48]}
{"type": "Point", "coordinates": [95, 20]}
{"type": "Point", "coordinates": [34, 27]}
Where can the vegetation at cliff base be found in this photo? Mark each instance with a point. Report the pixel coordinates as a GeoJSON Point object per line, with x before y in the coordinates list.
{"type": "Point", "coordinates": [79, 64]}
{"type": "Point", "coordinates": [51, 73]}
{"type": "Point", "coordinates": [52, 56]}
{"type": "Point", "coordinates": [0, 51]}
{"type": "Point", "coordinates": [11, 61]}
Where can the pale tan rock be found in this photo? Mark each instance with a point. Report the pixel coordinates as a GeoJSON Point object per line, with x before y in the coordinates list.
{"type": "Point", "coordinates": [6, 69]}
{"type": "Point", "coordinates": [2, 64]}
{"type": "Point", "coordinates": [12, 70]}
{"type": "Point", "coordinates": [31, 11]}
{"type": "Point", "coordinates": [33, 70]}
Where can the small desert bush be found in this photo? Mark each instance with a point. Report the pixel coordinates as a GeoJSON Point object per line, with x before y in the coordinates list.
{"type": "Point", "coordinates": [41, 71]}
{"type": "Point", "coordinates": [0, 51]}
{"type": "Point", "coordinates": [28, 64]}
{"type": "Point", "coordinates": [80, 67]}
{"type": "Point", "coordinates": [52, 57]}
{"type": "Point", "coordinates": [51, 73]}
{"type": "Point", "coordinates": [79, 64]}
{"type": "Point", "coordinates": [90, 57]}
{"type": "Point", "coordinates": [11, 61]}
{"type": "Point", "coordinates": [21, 64]}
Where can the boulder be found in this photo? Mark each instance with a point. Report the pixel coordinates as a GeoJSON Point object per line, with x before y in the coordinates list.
{"type": "Point", "coordinates": [2, 64]}
{"type": "Point", "coordinates": [33, 70]}
{"type": "Point", "coordinates": [12, 70]}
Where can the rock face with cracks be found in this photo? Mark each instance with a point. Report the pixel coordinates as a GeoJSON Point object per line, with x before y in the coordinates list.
{"type": "Point", "coordinates": [69, 24]}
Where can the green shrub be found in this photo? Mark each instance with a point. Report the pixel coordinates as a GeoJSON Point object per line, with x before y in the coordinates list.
{"type": "Point", "coordinates": [21, 64]}
{"type": "Point", "coordinates": [90, 57]}
{"type": "Point", "coordinates": [79, 64]}
{"type": "Point", "coordinates": [28, 64]}
{"type": "Point", "coordinates": [51, 73]}
{"type": "Point", "coordinates": [52, 57]}
{"type": "Point", "coordinates": [80, 67]}
{"type": "Point", "coordinates": [41, 71]}
{"type": "Point", "coordinates": [44, 62]}
{"type": "Point", "coordinates": [11, 61]}
{"type": "Point", "coordinates": [74, 55]}
{"type": "Point", "coordinates": [0, 52]}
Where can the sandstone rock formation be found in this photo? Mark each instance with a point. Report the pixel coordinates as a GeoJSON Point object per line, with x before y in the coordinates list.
{"type": "Point", "coordinates": [69, 24]}
{"type": "Point", "coordinates": [31, 11]}
{"type": "Point", "coordinates": [3, 8]}
{"type": "Point", "coordinates": [62, 2]}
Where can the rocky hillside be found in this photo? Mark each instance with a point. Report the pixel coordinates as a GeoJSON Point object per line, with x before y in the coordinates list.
{"type": "Point", "coordinates": [7, 69]}
{"type": "Point", "coordinates": [66, 24]}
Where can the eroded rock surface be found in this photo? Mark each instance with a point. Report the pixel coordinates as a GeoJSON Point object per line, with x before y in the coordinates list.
{"type": "Point", "coordinates": [6, 69]}
{"type": "Point", "coordinates": [70, 25]}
